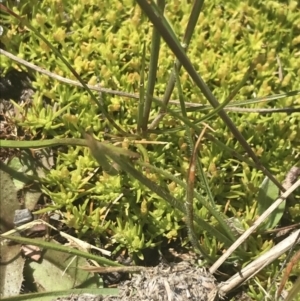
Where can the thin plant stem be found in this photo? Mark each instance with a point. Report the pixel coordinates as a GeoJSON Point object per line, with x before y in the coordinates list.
{"type": "Point", "coordinates": [190, 194]}
{"type": "Point", "coordinates": [168, 35]}
{"type": "Point", "coordinates": [142, 91]}
{"type": "Point", "coordinates": [234, 106]}
{"type": "Point", "coordinates": [195, 12]}
{"type": "Point", "coordinates": [153, 65]}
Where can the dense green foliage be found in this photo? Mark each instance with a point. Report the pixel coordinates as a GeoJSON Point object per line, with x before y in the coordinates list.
{"type": "Point", "coordinates": [103, 41]}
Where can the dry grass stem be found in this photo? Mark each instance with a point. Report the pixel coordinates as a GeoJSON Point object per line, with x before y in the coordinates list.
{"type": "Point", "coordinates": [256, 224]}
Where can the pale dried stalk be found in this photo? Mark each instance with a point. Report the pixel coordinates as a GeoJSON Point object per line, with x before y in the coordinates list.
{"type": "Point", "coordinates": [81, 245]}
{"type": "Point", "coordinates": [254, 267]}
{"type": "Point", "coordinates": [256, 224]}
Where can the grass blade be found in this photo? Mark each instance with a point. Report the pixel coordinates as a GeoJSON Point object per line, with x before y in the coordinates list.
{"type": "Point", "coordinates": [195, 12]}
{"type": "Point", "coordinates": [59, 295]}
{"type": "Point", "coordinates": [153, 65]}
{"type": "Point", "coordinates": [190, 195]}
{"type": "Point", "coordinates": [57, 247]}
{"type": "Point", "coordinates": [128, 168]}
{"type": "Point", "coordinates": [191, 172]}
{"type": "Point", "coordinates": [142, 91]}
{"type": "Point", "coordinates": [42, 143]}
{"type": "Point", "coordinates": [198, 108]}
{"type": "Point", "coordinates": [229, 97]}
{"type": "Point", "coordinates": [166, 32]}
{"type": "Point", "coordinates": [99, 153]}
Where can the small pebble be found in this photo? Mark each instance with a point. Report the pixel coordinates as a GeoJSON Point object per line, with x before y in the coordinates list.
{"type": "Point", "coordinates": [22, 216]}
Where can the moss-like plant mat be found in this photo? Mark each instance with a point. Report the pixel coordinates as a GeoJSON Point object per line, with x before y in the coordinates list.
{"type": "Point", "coordinates": [174, 194]}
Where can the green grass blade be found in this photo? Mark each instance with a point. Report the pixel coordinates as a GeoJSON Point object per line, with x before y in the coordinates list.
{"type": "Point", "coordinates": [189, 203]}
{"type": "Point", "coordinates": [212, 210]}
{"type": "Point", "coordinates": [204, 180]}
{"type": "Point", "coordinates": [195, 12]}
{"type": "Point", "coordinates": [198, 108]}
{"type": "Point", "coordinates": [180, 92]}
{"type": "Point", "coordinates": [62, 141]}
{"type": "Point", "coordinates": [166, 32]}
{"type": "Point", "coordinates": [142, 91]}
{"type": "Point", "coordinates": [220, 107]}
{"type": "Point", "coordinates": [59, 295]}
{"type": "Point", "coordinates": [190, 181]}
{"type": "Point", "coordinates": [99, 152]}
{"type": "Point", "coordinates": [153, 65]}
{"type": "Point", "coordinates": [191, 172]}
{"type": "Point", "coordinates": [166, 196]}
{"type": "Point", "coordinates": [57, 247]}
{"type": "Point", "coordinates": [95, 146]}
{"type": "Point", "coordinates": [230, 150]}
{"type": "Point", "coordinates": [42, 143]}
{"type": "Point", "coordinates": [127, 167]}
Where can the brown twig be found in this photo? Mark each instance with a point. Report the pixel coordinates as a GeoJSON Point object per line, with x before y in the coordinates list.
{"type": "Point", "coordinates": [295, 259]}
